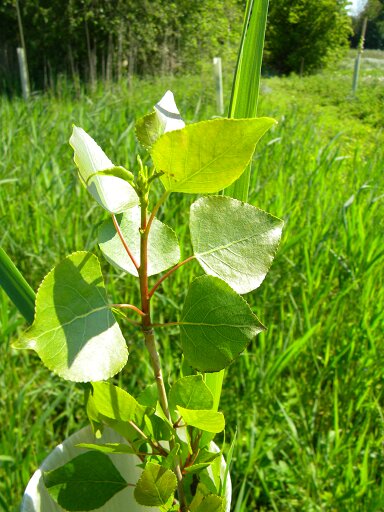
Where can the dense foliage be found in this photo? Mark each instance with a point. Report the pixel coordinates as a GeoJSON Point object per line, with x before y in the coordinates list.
{"type": "Point", "coordinates": [305, 35]}
{"type": "Point", "coordinates": [99, 38]}
{"type": "Point", "coordinates": [91, 39]}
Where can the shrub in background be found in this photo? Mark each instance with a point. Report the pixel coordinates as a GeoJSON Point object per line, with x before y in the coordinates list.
{"type": "Point", "coordinates": [305, 35]}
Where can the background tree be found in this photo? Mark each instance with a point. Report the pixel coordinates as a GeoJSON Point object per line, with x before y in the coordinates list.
{"type": "Point", "coordinates": [306, 34]}
{"type": "Point", "coordinates": [109, 38]}
{"type": "Point", "coordinates": [374, 11]}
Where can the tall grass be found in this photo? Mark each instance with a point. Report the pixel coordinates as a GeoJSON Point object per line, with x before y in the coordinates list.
{"type": "Point", "coordinates": [306, 397]}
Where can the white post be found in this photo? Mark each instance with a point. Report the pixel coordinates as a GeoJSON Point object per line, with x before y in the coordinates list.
{"type": "Point", "coordinates": [23, 72]}
{"type": "Point", "coordinates": [219, 84]}
{"type": "Point", "coordinates": [360, 50]}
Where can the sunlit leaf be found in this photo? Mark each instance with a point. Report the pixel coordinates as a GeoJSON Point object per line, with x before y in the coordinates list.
{"type": "Point", "coordinates": [216, 324]}
{"type": "Point", "coordinates": [191, 392]}
{"type": "Point", "coordinates": [163, 247]}
{"type": "Point", "coordinates": [108, 447]}
{"type": "Point", "coordinates": [164, 118]}
{"type": "Point", "coordinates": [117, 172]}
{"type": "Point", "coordinates": [155, 486]}
{"type": "Point", "coordinates": [207, 156]}
{"type": "Point", "coordinates": [74, 331]}
{"type": "Point", "coordinates": [115, 403]}
{"type": "Point", "coordinates": [234, 241]}
{"type": "Point", "coordinates": [210, 421]}
{"type": "Point", "coordinates": [204, 501]}
{"type": "Point", "coordinates": [111, 192]}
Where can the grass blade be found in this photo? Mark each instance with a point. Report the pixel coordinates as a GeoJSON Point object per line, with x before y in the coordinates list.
{"type": "Point", "coordinates": [246, 82]}
{"type": "Point", "coordinates": [16, 287]}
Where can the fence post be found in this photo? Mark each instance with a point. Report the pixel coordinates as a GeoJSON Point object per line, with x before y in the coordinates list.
{"type": "Point", "coordinates": [360, 49]}
{"type": "Point", "coordinates": [22, 55]}
{"type": "Point", "coordinates": [219, 84]}
{"type": "Point", "coordinates": [23, 72]}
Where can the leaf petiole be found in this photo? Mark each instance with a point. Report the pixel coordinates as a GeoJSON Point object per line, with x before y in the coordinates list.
{"type": "Point", "coordinates": [167, 274]}
{"type": "Point", "coordinates": [121, 236]}
{"type": "Point", "coordinates": [128, 306]}
{"type": "Point", "coordinates": [162, 200]}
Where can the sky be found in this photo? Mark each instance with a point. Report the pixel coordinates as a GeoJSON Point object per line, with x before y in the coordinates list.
{"type": "Point", "coordinates": [357, 5]}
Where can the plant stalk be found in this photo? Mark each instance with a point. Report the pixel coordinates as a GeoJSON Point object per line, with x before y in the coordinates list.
{"type": "Point", "coordinates": [149, 337]}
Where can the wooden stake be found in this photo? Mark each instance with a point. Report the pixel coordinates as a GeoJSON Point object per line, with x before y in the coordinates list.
{"type": "Point", "coordinates": [22, 55]}
{"type": "Point", "coordinates": [219, 84]}
{"type": "Point", "coordinates": [23, 72]}
{"type": "Point", "coordinates": [360, 50]}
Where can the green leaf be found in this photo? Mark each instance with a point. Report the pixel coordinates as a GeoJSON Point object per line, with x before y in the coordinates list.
{"type": "Point", "coordinates": [115, 403]}
{"type": "Point", "coordinates": [157, 428]}
{"type": "Point", "coordinates": [211, 503]}
{"type": "Point", "coordinates": [107, 447]}
{"type": "Point", "coordinates": [74, 331]}
{"type": "Point", "coordinates": [155, 486]}
{"type": "Point", "coordinates": [164, 118]}
{"type": "Point", "coordinates": [234, 241]}
{"type": "Point", "coordinates": [191, 392]}
{"type": "Point", "coordinates": [117, 172]}
{"type": "Point", "coordinates": [148, 129]}
{"type": "Point", "coordinates": [169, 461]}
{"type": "Point", "coordinates": [196, 468]}
{"type": "Point", "coordinates": [204, 459]}
{"type": "Point", "coordinates": [207, 456]}
{"type": "Point", "coordinates": [214, 381]}
{"type": "Point", "coordinates": [210, 421]}
{"type": "Point", "coordinates": [149, 396]}
{"type": "Point", "coordinates": [163, 247]}
{"type": "Point", "coordinates": [204, 501]}
{"type": "Point", "coordinates": [85, 483]}
{"type": "Point", "coordinates": [111, 192]}
{"type": "Point", "coordinates": [216, 324]}
{"type": "Point", "coordinates": [207, 156]}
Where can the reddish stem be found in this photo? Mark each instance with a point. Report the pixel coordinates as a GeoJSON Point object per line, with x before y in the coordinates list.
{"type": "Point", "coordinates": [128, 306]}
{"type": "Point", "coordinates": [167, 274]}
{"type": "Point", "coordinates": [155, 210]}
{"type": "Point", "coordinates": [119, 232]}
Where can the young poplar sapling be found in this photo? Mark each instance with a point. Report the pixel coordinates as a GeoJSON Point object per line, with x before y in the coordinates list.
{"type": "Point", "coordinates": [169, 428]}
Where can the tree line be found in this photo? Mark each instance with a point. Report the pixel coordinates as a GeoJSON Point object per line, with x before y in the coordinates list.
{"type": "Point", "coordinates": [374, 12]}
{"type": "Point", "coordinates": [111, 39]}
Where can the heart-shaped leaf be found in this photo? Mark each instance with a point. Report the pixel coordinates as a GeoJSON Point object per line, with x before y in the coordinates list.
{"type": "Point", "coordinates": [210, 421]}
{"type": "Point", "coordinates": [216, 324]}
{"type": "Point", "coordinates": [163, 247]}
{"type": "Point", "coordinates": [208, 156]}
{"type": "Point", "coordinates": [74, 331]}
{"type": "Point", "coordinates": [234, 241]}
{"type": "Point", "coordinates": [155, 486]}
{"type": "Point", "coordinates": [115, 403]}
{"type": "Point", "coordinates": [111, 192]}
{"type": "Point", "coordinates": [191, 392]}
{"type": "Point", "coordinates": [85, 483]}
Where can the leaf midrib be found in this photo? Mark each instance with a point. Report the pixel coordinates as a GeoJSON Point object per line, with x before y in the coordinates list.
{"type": "Point", "coordinates": [208, 164]}
{"type": "Point", "coordinates": [78, 317]}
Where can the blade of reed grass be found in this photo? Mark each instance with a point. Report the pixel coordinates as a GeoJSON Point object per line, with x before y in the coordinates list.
{"type": "Point", "coordinates": [246, 82]}
{"type": "Point", "coordinates": [16, 287]}
{"type": "Point", "coordinates": [243, 103]}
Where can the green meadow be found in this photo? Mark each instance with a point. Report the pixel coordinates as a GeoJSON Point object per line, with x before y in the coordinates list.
{"type": "Point", "coordinates": [306, 399]}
